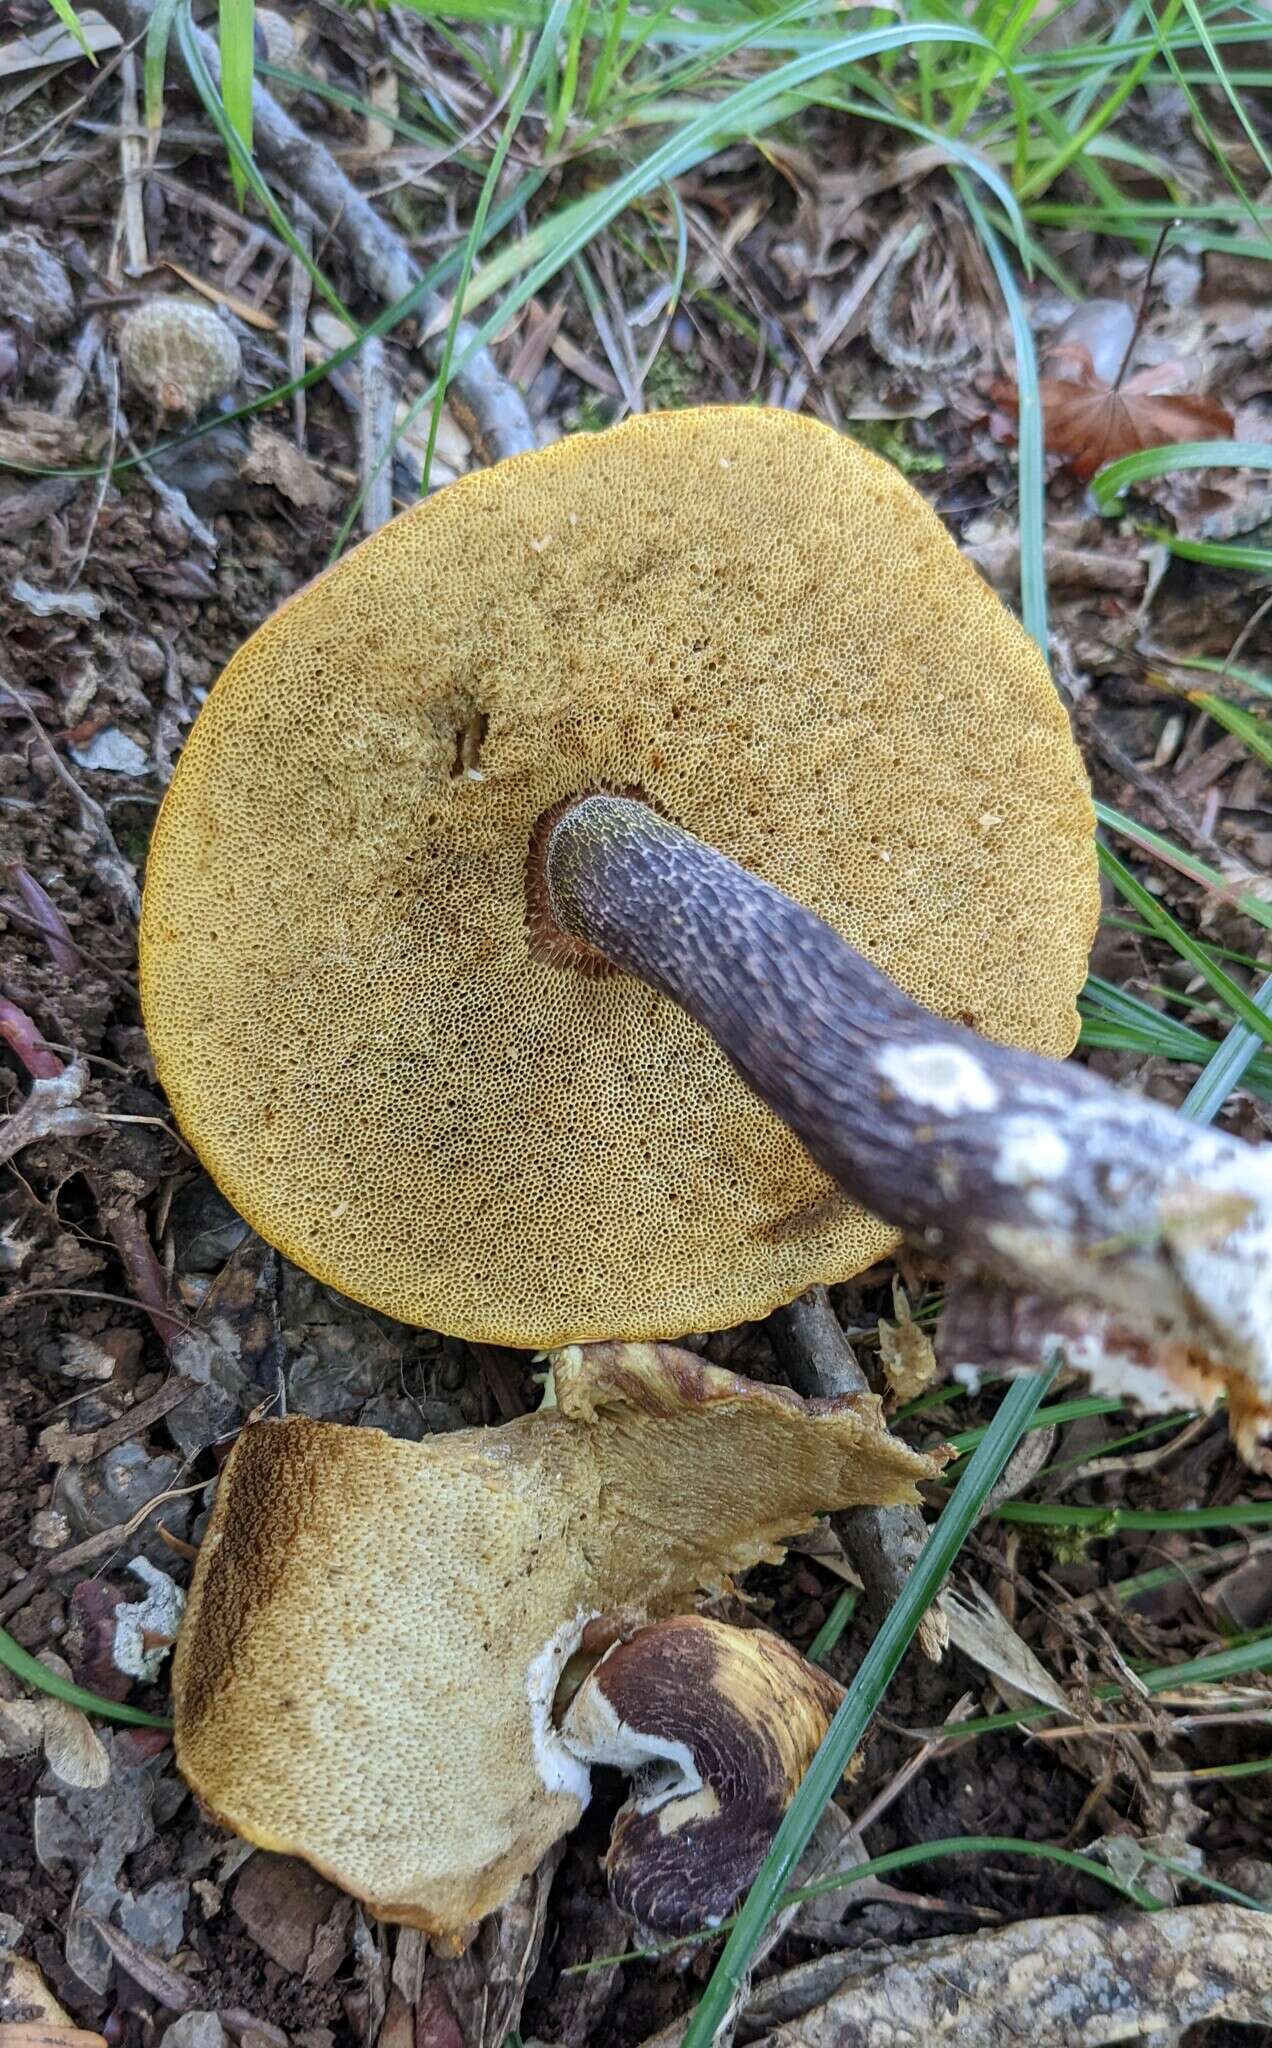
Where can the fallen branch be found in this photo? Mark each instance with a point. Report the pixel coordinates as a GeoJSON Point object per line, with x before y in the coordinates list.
{"type": "Point", "coordinates": [881, 1543]}
{"type": "Point", "coordinates": [1071, 1982]}
{"type": "Point", "coordinates": [491, 410]}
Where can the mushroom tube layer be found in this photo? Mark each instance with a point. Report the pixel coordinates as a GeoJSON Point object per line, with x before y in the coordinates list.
{"type": "Point", "coordinates": [366, 1672]}
{"type": "Point", "coordinates": [765, 630]}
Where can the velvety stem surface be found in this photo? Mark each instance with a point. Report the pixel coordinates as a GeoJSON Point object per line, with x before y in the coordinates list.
{"type": "Point", "coordinates": [1023, 1167]}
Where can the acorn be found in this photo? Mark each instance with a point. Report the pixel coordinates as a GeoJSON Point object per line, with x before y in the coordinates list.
{"type": "Point", "coordinates": [179, 354]}
{"type": "Point", "coordinates": [35, 291]}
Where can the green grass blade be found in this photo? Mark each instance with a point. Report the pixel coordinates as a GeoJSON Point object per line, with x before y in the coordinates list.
{"type": "Point", "coordinates": [1251, 729]}
{"type": "Point", "coordinates": [1114, 1020]}
{"type": "Point", "coordinates": [1243, 1514]}
{"type": "Point", "coordinates": [945, 1541]}
{"type": "Point", "coordinates": [979, 1845]}
{"type": "Point", "coordinates": [834, 1625]}
{"type": "Point", "coordinates": [1230, 94]}
{"type": "Point", "coordinates": [1227, 1067]}
{"type": "Point", "coordinates": [1111, 483]}
{"type": "Point", "coordinates": [236, 19]}
{"type": "Point", "coordinates": [558, 14]}
{"type": "Point", "coordinates": [239, 155]}
{"type": "Point", "coordinates": [1188, 864]}
{"type": "Point", "coordinates": [1029, 429]}
{"type": "Point", "coordinates": [1230, 671]}
{"type": "Point", "coordinates": [1197, 111]}
{"type": "Point", "coordinates": [746, 111]}
{"type": "Point", "coordinates": [1216, 1668]}
{"type": "Point", "coordinates": [1199, 1877]}
{"type": "Point", "coordinates": [1254, 1767]}
{"type": "Point", "coordinates": [70, 20]}
{"type": "Point", "coordinates": [1077, 1410]}
{"type": "Point", "coordinates": [30, 1670]}
{"type": "Point", "coordinates": [905, 1859]}
{"type": "Point", "coordinates": [1128, 77]}
{"type": "Point", "coordinates": [1166, 927]}
{"type": "Point", "coordinates": [1215, 554]}
{"type": "Point", "coordinates": [154, 66]}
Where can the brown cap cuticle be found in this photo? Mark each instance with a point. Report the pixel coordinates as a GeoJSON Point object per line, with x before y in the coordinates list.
{"type": "Point", "coordinates": [718, 1726]}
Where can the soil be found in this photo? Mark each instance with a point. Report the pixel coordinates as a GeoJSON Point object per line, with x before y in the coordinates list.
{"type": "Point", "coordinates": [122, 600]}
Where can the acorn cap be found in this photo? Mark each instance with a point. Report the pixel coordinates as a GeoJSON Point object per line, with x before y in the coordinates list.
{"type": "Point", "coordinates": [366, 1671]}
{"type": "Point", "coordinates": [736, 612]}
{"type": "Point", "coordinates": [35, 289]}
{"type": "Point", "coordinates": [179, 353]}
{"type": "Point", "coordinates": [718, 1726]}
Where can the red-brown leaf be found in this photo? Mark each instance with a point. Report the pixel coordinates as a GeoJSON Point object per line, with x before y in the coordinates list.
{"type": "Point", "coordinates": [1090, 422]}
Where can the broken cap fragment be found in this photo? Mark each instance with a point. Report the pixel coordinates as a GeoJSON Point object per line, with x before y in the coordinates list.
{"type": "Point", "coordinates": [718, 1726]}
{"type": "Point", "coordinates": [734, 611]}
{"type": "Point", "coordinates": [366, 1673]}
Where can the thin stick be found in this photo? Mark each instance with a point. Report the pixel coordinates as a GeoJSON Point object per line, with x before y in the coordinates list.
{"type": "Point", "coordinates": [881, 1543]}
{"type": "Point", "coordinates": [492, 411]}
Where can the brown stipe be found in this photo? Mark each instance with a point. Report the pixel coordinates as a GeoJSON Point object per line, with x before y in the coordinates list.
{"type": "Point", "coordinates": [1010, 1164]}
{"type": "Point", "coordinates": [548, 939]}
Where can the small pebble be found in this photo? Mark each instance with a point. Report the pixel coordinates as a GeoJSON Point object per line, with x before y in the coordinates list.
{"type": "Point", "coordinates": [49, 1529]}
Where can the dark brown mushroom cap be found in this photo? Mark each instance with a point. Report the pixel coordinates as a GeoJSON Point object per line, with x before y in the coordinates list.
{"type": "Point", "coordinates": [718, 1726]}
{"type": "Point", "coordinates": [764, 629]}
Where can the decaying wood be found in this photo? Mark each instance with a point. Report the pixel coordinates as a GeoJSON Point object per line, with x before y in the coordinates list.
{"type": "Point", "coordinates": [1005, 1163]}
{"type": "Point", "coordinates": [493, 412]}
{"type": "Point", "coordinates": [1071, 1982]}
{"type": "Point", "coordinates": [881, 1543]}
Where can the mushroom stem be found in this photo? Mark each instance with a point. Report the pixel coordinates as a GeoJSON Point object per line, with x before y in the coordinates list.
{"type": "Point", "coordinates": [1019, 1166]}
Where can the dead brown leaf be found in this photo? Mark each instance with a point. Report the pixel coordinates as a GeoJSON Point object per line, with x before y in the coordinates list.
{"type": "Point", "coordinates": [275, 461]}
{"type": "Point", "coordinates": [1090, 422]}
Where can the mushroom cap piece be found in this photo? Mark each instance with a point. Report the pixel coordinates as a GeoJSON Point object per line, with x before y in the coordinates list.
{"type": "Point", "coordinates": [765, 631]}
{"type": "Point", "coordinates": [717, 1726]}
{"type": "Point", "coordinates": [367, 1666]}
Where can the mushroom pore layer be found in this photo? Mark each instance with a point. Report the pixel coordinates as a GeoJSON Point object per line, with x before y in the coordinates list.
{"type": "Point", "coordinates": [764, 630]}
{"type": "Point", "coordinates": [366, 1672]}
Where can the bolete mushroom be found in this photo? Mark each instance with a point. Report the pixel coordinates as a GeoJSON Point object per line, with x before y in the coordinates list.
{"type": "Point", "coordinates": [376, 1629]}
{"type": "Point", "coordinates": [413, 1075]}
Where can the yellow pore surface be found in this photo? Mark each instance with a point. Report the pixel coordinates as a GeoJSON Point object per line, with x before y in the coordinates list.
{"type": "Point", "coordinates": [764, 628]}
{"type": "Point", "coordinates": [376, 1629]}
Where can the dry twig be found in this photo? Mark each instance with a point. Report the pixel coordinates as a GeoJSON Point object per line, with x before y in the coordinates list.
{"type": "Point", "coordinates": [882, 1543]}
{"type": "Point", "coordinates": [492, 411]}
{"type": "Point", "coordinates": [1071, 1982]}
